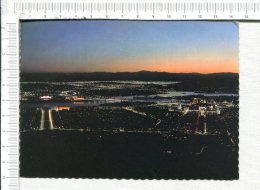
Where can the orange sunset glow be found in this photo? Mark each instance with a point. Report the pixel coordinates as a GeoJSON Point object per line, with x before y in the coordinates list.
{"type": "Point", "coordinates": [123, 46]}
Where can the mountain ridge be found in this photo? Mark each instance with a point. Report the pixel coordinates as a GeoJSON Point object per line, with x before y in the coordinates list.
{"type": "Point", "coordinates": [141, 75]}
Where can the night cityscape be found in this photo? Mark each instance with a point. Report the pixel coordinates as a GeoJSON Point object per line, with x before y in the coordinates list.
{"type": "Point", "coordinates": [129, 100]}
{"type": "Point", "coordinates": [103, 127]}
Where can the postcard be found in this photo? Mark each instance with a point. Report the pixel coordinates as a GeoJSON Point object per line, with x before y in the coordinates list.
{"type": "Point", "coordinates": [125, 99]}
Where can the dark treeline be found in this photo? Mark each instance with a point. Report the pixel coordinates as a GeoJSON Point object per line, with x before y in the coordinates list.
{"type": "Point", "coordinates": [142, 75]}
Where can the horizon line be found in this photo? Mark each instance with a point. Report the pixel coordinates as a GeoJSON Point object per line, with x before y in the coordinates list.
{"type": "Point", "coordinates": [127, 72]}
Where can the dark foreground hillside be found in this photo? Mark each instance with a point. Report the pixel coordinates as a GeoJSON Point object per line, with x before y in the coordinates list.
{"type": "Point", "coordinates": [125, 155]}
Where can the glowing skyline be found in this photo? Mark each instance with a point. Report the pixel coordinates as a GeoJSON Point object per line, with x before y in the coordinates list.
{"type": "Point", "coordinates": [117, 46]}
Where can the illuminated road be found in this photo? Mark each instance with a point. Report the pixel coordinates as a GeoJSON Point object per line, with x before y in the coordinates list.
{"type": "Point", "coordinates": [43, 124]}
{"type": "Point", "coordinates": [42, 120]}
{"type": "Point", "coordinates": [138, 112]}
{"type": "Point", "coordinates": [134, 111]}
{"type": "Point", "coordinates": [50, 119]}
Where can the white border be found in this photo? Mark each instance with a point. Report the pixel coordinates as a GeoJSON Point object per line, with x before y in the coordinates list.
{"type": "Point", "coordinates": [249, 136]}
{"type": "Point", "coordinates": [249, 129]}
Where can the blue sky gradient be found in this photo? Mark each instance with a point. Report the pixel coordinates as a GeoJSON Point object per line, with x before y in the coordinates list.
{"type": "Point", "coordinates": [98, 45]}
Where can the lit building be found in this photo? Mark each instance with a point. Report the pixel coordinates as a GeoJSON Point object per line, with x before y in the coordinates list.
{"type": "Point", "coordinates": [62, 108]}
{"type": "Point", "coordinates": [45, 97]}
{"type": "Point", "coordinates": [75, 98]}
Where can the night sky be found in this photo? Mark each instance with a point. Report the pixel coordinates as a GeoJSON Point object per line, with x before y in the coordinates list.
{"type": "Point", "coordinates": [115, 46]}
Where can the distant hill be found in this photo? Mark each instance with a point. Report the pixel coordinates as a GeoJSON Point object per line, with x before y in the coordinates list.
{"type": "Point", "coordinates": [141, 75]}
